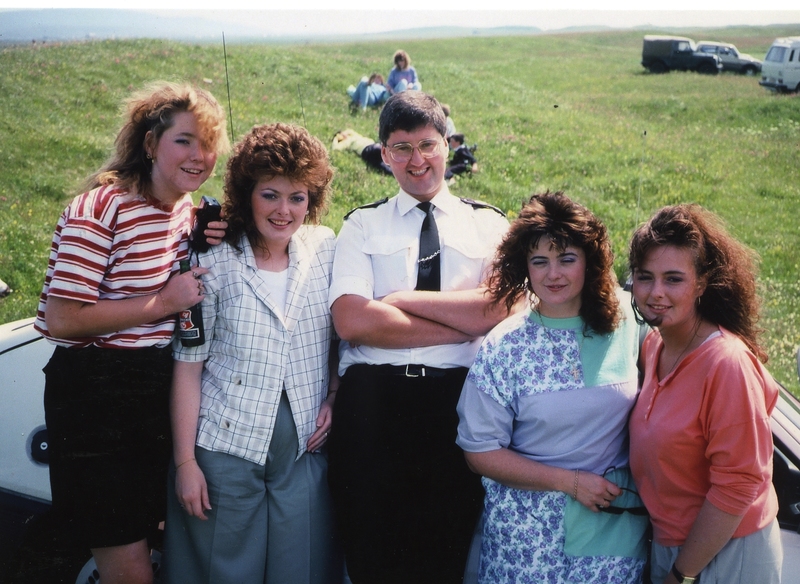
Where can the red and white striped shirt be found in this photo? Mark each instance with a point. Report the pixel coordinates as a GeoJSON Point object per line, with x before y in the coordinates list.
{"type": "Point", "coordinates": [109, 245]}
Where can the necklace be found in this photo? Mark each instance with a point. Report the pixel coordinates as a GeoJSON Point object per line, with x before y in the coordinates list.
{"type": "Point", "coordinates": [575, 367]}
{"type": "Point", "coordinates": [686, 348]}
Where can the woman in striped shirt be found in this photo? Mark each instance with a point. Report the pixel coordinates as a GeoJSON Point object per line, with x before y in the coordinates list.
{"type": "Point", "coordinates": [110, 296]}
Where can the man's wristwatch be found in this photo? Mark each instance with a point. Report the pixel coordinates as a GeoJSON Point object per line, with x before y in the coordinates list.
{"type": "Point", "coordinates": [684, 579]}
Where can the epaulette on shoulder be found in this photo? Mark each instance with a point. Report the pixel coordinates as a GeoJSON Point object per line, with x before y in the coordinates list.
{"type": "Point", "coordinates": [478, 205]}
{"type": "Point", "coordinates": [367, 206]}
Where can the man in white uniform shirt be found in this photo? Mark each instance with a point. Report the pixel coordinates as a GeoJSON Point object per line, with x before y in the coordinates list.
{"type": "Point", "coordinates": [407, 301]}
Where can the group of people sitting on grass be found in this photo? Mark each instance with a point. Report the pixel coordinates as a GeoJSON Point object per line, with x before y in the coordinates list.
{"type": "Point", "coordinates": [373, 91]}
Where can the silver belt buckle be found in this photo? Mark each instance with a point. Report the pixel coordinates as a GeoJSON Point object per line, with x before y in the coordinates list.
{"type": "Point", "coordinates": [421, 374]}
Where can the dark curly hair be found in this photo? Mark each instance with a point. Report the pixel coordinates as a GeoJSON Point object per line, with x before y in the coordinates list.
{"type": "Point", "coordinates": [274, 150]}
{"type": "Point", "coordinates": [727, 267]}
{"type": "Point", "coordinates": [565, 223]}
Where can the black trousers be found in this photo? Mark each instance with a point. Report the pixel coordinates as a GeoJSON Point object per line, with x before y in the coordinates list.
{"type": "Point", "coordinates": [405, 501]}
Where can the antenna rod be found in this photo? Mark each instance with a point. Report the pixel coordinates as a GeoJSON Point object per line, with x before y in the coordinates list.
{"type": "Point", "coordinates": [227, 84]}
{"type": "Point", "coordinates": [305, 125]}
{"type": "Point", "coordinates": [641, 170]}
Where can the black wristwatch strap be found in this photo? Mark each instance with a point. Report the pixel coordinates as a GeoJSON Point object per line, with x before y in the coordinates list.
{"type": "Point", "coordinates": [684, 579]}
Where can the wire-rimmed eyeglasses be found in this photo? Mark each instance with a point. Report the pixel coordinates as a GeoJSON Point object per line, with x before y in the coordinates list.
{"type": "Point", "coordinates": [403, 151]}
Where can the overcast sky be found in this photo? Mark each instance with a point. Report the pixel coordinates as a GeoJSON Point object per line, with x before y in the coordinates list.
{"type": "Point", "coordinates": [312, 17]}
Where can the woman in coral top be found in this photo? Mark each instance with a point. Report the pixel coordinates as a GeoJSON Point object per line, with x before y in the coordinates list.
{"type": "Point", "coordinates": [701, 445]}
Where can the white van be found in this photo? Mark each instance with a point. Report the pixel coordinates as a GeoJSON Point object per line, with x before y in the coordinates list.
{"type": "Point", "coordinates": [781, 68]}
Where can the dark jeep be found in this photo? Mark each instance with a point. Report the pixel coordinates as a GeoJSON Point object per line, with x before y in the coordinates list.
{"type": "Point", "coordinates": [665, 53]}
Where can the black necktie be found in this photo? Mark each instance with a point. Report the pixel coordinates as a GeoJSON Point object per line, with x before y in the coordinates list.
{"type": "Point", "coordinates": [428, 268]}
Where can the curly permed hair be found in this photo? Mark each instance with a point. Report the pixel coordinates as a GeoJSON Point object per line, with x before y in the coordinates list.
{"type": "Point", "coordinates": [153, 110]}
{"type": "Point", "coordinates": [727, 267]}
{"type": "Point", "coordinates": [565, 223]}
{"type": "Point", "coordinates": [274, 150]}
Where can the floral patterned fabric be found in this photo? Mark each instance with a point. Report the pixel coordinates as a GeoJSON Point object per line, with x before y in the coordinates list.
{"type": "Point", "coordinates": [538, 387]}
{"type": "Point", "coordinates": [523, 542]}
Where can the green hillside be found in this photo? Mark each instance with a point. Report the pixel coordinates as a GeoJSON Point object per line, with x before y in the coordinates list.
{"type": "Point", "coordinates": [573, 112]}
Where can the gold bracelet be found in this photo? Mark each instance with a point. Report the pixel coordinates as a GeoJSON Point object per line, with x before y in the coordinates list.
{"type": "Point", "coordinates": [163, 304]}
{"type": "Point", "coordinates": [184, 462]}
{"type": "Point", "coordinates": [575, 486]}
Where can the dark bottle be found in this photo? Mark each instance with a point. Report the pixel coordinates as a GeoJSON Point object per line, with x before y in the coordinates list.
{"type": "Point", "coordinates": [190, 321]}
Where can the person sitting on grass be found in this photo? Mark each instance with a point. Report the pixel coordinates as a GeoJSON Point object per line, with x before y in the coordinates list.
{"type": "Point", "coordinates": [463, 159]}
{"type": "Point", "coordinates": [370, 92]}
{"type": "Point", "coordinates": [402, 76]}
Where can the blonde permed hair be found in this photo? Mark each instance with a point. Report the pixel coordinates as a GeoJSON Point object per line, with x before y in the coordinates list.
{"type": "Point", "coordinates": [153, 110]}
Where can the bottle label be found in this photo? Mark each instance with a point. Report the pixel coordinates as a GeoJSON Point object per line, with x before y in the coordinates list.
{"type": "Point", "coordinates": [188, 329]}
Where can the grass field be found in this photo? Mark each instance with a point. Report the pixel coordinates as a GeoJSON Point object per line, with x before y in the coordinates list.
{"type": "Point", "coordinates": [572, 112]}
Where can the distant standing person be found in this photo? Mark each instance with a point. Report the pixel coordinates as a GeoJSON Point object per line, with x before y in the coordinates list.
{"type": "Point", "coordinates": [701, 441]}
{"type": "Point", "coordinates": [402, 76]}
{"type": "Point", "coordinates": [110, 296]}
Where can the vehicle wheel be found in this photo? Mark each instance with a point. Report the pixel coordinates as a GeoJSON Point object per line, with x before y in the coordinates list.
{"type": "Point", "coordinates": [90, 575]}
{"type": "Point", "coordinates": [707, 69]}
{"type": "Point", "coordinates": [46, 556]}
{"type": "Point", "coordinates": [658, 67]}
{"type": "Point", "coordinates": [749, 71]}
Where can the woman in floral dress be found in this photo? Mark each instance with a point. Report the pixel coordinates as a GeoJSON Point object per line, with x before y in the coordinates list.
{"type": "Point", "coordinates": [545, 406]}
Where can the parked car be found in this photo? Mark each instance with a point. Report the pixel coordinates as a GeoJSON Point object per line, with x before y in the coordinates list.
{"type": "Point", "coordinates": [666, 53]}
{"type": "Point", "coordinates": [781, 69]}
{"type": "Point", "coordinates": [730, 57]}
{"type": "Point", "coordinates": [27, 536]}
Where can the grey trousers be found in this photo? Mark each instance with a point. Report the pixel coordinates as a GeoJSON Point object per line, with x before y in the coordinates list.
{"type": "Point", "coordinates": [755, 558]}
{"type": "Point", "coordinates": [270, 524]}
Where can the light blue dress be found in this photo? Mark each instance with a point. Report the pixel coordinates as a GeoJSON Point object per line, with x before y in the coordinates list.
{"type": "Point", "coordinates": [543, 389]}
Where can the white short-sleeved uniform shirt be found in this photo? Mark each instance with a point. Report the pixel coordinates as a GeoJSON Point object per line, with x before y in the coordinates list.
{"type": "Point", "coordinates": [377, 251]}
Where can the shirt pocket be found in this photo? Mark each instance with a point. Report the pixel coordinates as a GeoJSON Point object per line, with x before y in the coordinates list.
{"type": "Point", "coordinates": [465, 258]}
{"type": "Point", "coordinates": [393, 264]}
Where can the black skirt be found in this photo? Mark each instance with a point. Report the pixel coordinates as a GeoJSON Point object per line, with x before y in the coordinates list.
{"type": "Point", "coordinates": [107, 415]}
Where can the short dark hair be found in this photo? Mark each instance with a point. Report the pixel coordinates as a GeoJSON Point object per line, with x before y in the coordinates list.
{"type": "Point", "coordinates": [271, 150]}
{"type": "Point", "coordinates": [408, 111]}
{"type": "Point", "coordinates": [458, 138]}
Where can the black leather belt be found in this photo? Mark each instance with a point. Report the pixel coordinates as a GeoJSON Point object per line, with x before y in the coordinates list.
{"type": "Point", "coordinates": [413, 370]}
